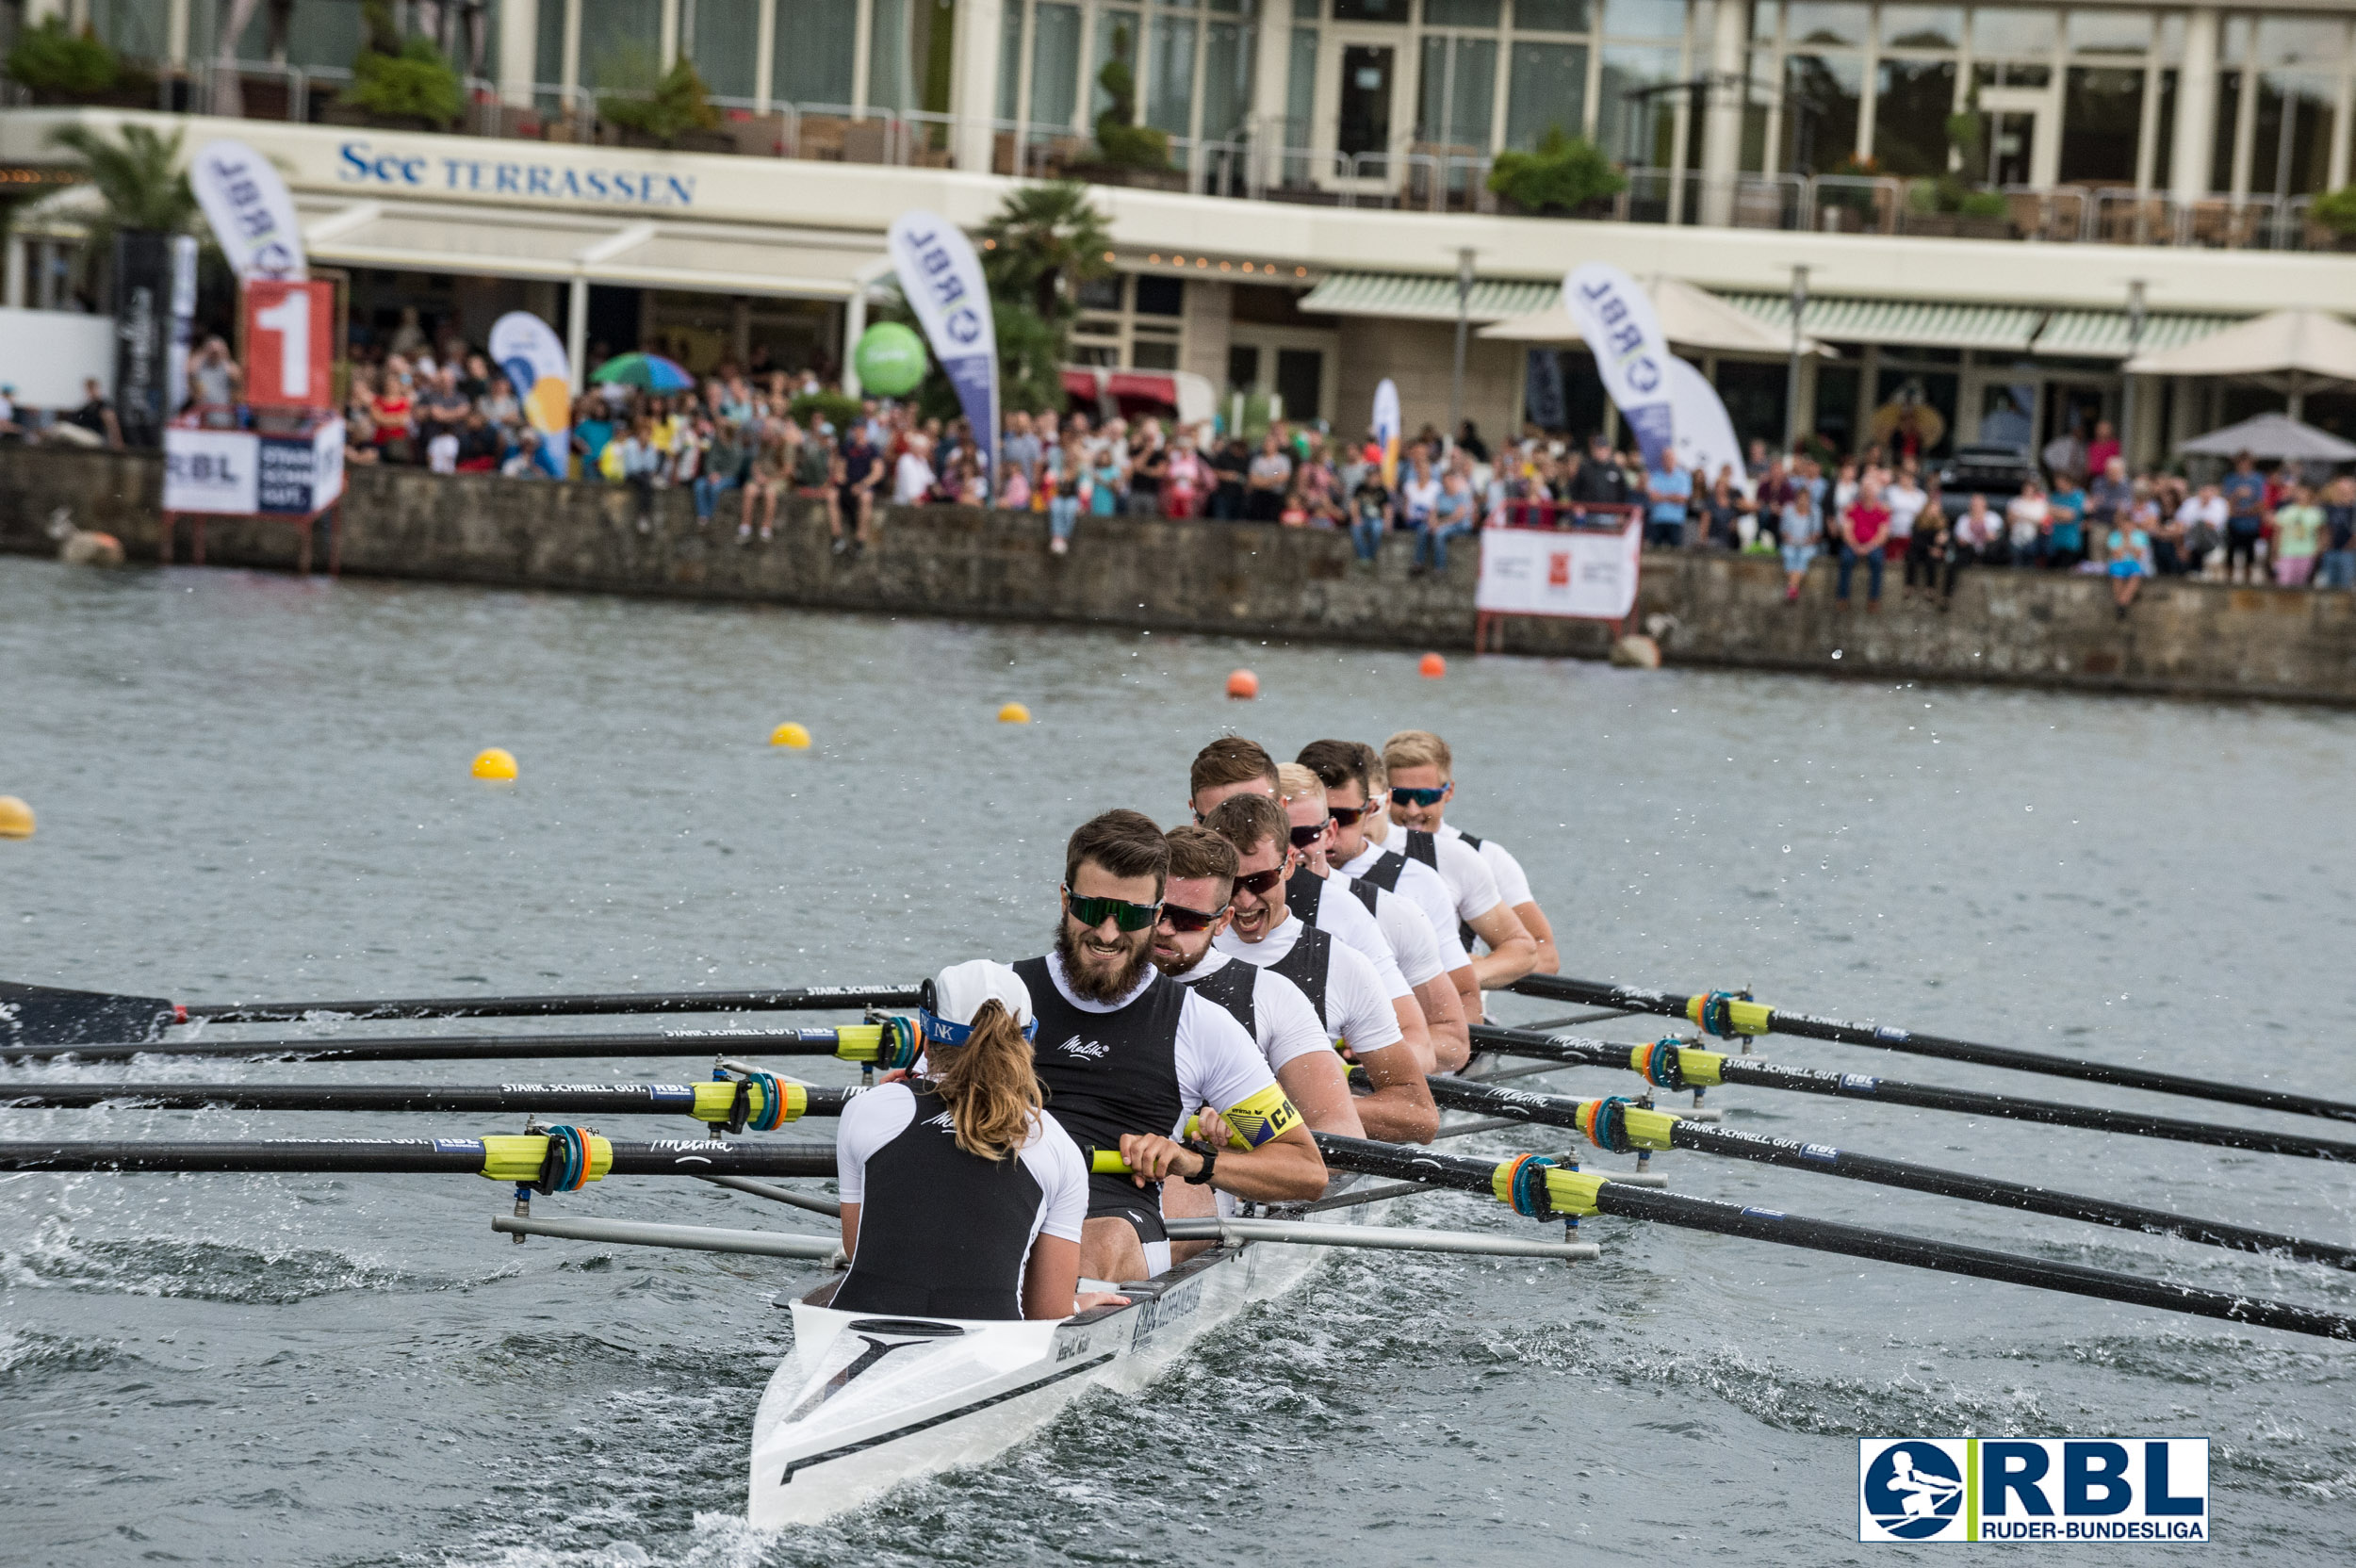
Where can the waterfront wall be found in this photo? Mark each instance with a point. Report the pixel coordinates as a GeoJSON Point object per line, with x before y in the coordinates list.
{"type": "Point", "coordinates": [2030, 628]}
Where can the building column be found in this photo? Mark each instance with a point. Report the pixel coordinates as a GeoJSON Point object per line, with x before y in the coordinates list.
{"type": "Point", "coordinates": [520, 48]}
{"type": "Point", "coordinates": [577, 333]}
{"type": "Point", "coordinates": [1722, 131]}
{"type": "Point", "coordinates": [666, 34]}
{"type": "Point", "coordinates": [978, 26]}
{"type": "Point", "coordinates": [2196, 109]}
{"type": "Point", "coordinates": [176, 33]}
{"type": "Point", "coordinates": [1271, 62]}
{"type": "Point", "coordinates": [12, 289]}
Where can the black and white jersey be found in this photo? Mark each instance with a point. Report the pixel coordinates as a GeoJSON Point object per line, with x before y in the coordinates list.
{"type": "Point", "coordinates": [1279, 1017]}
{"type": "Point", "coordinates": [1512, 882]}
{"type": "Point", "coordinates": [1337, 980]}
{"type": "Point", "coordinates": [1404, 927]}
{"type": "Point", "coordinates": [944, 1232]}
{"type": "Point", "coordinates": [1418, 884]}
{"type": "Point", "coordinates": [1324, 902]}
{"type": "Point", "coordinates": [1469, 880]}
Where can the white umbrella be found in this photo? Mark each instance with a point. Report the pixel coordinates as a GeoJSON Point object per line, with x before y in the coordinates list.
{"type": "Point", "coordinates": [2291, 351]}
{"type": "Point", "coordinates": [1690, 317]}
{"type": "Point", "coordinates": [2277, 437]}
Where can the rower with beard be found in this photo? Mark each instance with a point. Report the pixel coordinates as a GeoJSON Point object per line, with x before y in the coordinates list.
{"type": "Point", "coordinates": [1335, 978]}
{"type": "Point", "coordinates": [1230, 766]}
{"type": "Point", "coordinates": [1348, 769]}
{"type": "Point", "coordinates": [1422, 778]}
{"type": "Point", "coordinates": [1402, 924]}
{"type": "Point", "coordinates": [1125, 1054]}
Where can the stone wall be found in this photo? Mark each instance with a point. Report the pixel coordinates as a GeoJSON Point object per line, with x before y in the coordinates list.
{"type": "Point", "coordinates": [2031, 628]}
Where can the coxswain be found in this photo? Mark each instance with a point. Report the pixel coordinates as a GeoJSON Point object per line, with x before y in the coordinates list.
{"type": "Point", "coordinates": [1126, 1054]}
{"type": "Point", "coordinates": [1349, 770]}
{"type": "Point", "coordinates": [962, 1197]}
{"type": "Point", "coordinates": [1230, 766]}
{"type": "Point", "coordinates": [1422, 780]}
{"type": "Point", "coordinates": [1302, 793]}
{"type": "Point", "coordinates": [1336, 978]}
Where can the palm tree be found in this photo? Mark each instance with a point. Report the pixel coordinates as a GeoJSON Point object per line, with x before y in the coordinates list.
{"type": "Point", "coordinates": [139, 179]}
{"type": "Point", "coordinates": [1043, 242]}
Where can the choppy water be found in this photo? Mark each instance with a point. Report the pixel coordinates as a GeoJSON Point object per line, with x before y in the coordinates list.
{"type": "Point", "coordinates": [254, 786]}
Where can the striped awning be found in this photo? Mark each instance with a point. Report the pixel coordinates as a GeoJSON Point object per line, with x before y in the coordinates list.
{"type": "Point", "coordinates": [2103, 334]}
{"type": "Point", "coordinates": [1425, 297]}
{"type": "Point", "coordinates": [1923, 323]}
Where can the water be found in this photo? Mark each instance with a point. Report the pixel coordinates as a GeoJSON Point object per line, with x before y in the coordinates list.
{"type": "Point", "coordinates": [251, 786]}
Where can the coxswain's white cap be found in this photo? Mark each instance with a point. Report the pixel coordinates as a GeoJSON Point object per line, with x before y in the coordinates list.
{"type": "Point", "coordinates": [959, 990]}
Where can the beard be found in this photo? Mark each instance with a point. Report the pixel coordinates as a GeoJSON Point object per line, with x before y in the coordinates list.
{"type": "Point", "coordinates": [1093, 984]}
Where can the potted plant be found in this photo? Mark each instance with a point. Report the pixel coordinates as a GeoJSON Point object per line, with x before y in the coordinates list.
{"type": "Point", "coordinates": [57, 65]}
{"type": "Point", "coordinates": [2335, 210]}
{"type": "Point", "coordinates": [1126, 153]}
{"type": "Point", "coordinates": [1566, 176]}
{"type": "Point", "coordinates": [403, 84]}
{"type": "Point", "coordinates": [672, 111]}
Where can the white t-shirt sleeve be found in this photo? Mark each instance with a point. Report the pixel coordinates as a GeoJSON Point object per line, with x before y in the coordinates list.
{"type": "Point", "coordinates": [1218, 1065]}
{"type": "Point", "coordinates": [1467, 875]}
{"type": "Point", "coordinates": [1054, 1163]}
{"type": "Point", "coordinates": [1513, 884]}
{"type": "Point", "coordinates": [1357, 1008]}
{"type": "Point", "coordinates": [1410, 935]}
{"type": "Point", "coordinates": [1288, 1026]}
{"type": "Point", "coordinates": [1430, 892]}
{"type": "Point", "coordinates": [1343, 917]}
{"type": "Point", "coordinates": [868, 1122]}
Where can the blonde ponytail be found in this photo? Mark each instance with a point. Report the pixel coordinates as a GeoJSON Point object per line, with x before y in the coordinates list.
{"type": "Point", "coordinates": [987, 1083]}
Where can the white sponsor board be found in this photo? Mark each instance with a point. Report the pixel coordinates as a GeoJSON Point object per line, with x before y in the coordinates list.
{"type": "Point", "coordinates": [238, 473]}
{"type": "Point", "coordinates": [1589, 574]}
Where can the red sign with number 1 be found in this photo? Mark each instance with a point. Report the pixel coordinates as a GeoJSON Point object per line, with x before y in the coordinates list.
{"type": "Point", "coordinates": [289, 343]}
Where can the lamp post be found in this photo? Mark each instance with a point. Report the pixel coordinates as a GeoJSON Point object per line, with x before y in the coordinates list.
{"type": "Point", "coordinates": [1791, 380]}
{"type": "Point", "coordinates": [1464, 314]}
{"type": "Point", "coordinates": [2127, 377]}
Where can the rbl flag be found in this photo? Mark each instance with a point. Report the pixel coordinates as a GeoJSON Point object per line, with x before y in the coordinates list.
{"type": "Point", "coordinates": [1616, 319]}
{"type": "Point", "coordinates": [942, 277]}
{"type": "Point", "coordinates": [289, 343]}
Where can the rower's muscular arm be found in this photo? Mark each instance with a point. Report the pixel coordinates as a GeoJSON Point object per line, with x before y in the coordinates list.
{"type": "Point", "coordinates": [1400, 1109]}
{"type": "Point", "coordinates": [1286, 1169]}
{"type": "Point", "coordinates": [1467, 989]}
{"type": "Point", "coordinates": [1414, 1032]}
{"type": "Point", "coordinates": [1444, 1013]}
{"type": "Point", "coordinates": [1541, 932]}
{"type": "Point", "coordinates": [1319, 1090]}
{"type": "Point", "coordinates": [1512, 950]}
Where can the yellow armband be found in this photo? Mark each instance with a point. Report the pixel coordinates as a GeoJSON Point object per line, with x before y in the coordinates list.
{"type": "Point", "coordinates": [1267, 1115]}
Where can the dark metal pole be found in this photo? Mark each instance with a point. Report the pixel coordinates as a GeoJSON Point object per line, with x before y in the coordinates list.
{"type": "Point", "coordinates": [1791, 380]}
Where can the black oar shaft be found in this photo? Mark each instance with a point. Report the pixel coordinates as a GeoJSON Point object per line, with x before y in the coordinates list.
{"type": "Point", "coordinates": [551, 1099]}
{"type": "Point", "coordinates": [1758, 1073]}
{"type": "Point", "coordinates": [466, 1047]}
{"type": "Point", "coordinates": [1619, 1198]}
{"type": "Point", "coordinates": [1807, 1026]}
{"type": "Point", "coordinates": [404, 1156]}
{"type": "Point", "coordinates": [801, 998]}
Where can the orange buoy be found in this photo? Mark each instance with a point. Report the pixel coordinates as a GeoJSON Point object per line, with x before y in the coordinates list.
{"type": "Point", "coordinates": [1433, 667]}
{"type": "Point", "coordinates": [1243, 684]}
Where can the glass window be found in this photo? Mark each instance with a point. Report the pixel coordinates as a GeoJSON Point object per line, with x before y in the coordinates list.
{"type": "Point", "coordinates": [908, 54]}
{"type": "Point", "coordinates": [1766, 16]}
{"type": "Point", "coordinates": [136, 28]}
{"type": "Point", "coordinates": [1116, 39]}
{"type": "Point", "coordinates": [1821, 95]}
{"type": "Point", "coordinates": [1456, 91]}
{"type": "Point", "coordinates": [2109, 32]}
{"type": "Point", "coordinates": [2163, 131]}
{"type": "Point", "coordinates": [726, 32]}
{"type": "Point", "coordinates": [2234, 47]}
{"type": "Point", "coordinates": [2101, 118]}
{"type": "Point", "coordinates": [1921, 27]}
{"type": "Point", "coordinates": [2291, 151]}
{"type": "Point", "coordinates": [1551, 16]}
{"type": "Point", "coordinates": [1102, 294]}
{"type": "Point", "coordinates": [1161, 296]}
{"type": "Point", "coordinates": [1462, 13]}
{"type": "Point", "coordinates": [1171, 106]}
{"type": "Point", "coordinates": [619, 41]}
{"type": "Point", "coordinates": [1910, 116]}
{"type": "Point", "coordinates": [1831, 25]}
{"type": "Point", "coordinates": [2171, 48]}
{"type": "Point", "coordinates": [2228, 111]}
{"type": "Point", "coordinates": [1372, 10]}
{"type": "Point", "coordinates": [1152, 355]}
{"type": "Point", "coordinates": [1055, 65]}
{"type": "Point", "coordinates": [547, 55]}
{"type": "Point", "coordinates": [1300, 87]}
{"type": "Point", "coordinates": [2310, 43]}
{"type": "Point", "coordinates": [1548, 88]}
{"type": "Point", "coordinates": [1999, 31]}
{"type": "Point", "coordinates": [1226, 81]}
{"type": "Point", "coordinates": [1634, 122]}
{"type": "Point", "coordinates": [1648, 18]}
{"type": "Point", "coordinates": [1010, 62]}
{"type": "Point", "coordinates": [812, 60]}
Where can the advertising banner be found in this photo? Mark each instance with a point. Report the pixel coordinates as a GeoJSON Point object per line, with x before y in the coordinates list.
{"type": "Point", "coordinates": [533, 358]}
{"type": "Point", "coordinates": [252, 215]}
{"type": "Point", "coordinates": [184, 249]}
{"type": "Point", "coordinates": [942, 279]}
{"type": "Point", "coordinates": [1386, 430]}
{"type": "Point", "coordinates": [1615, 316]}
{"type": "Point", "coordinates": [240, 473]}
{"type": "Point", "coordinates": [1587, 574]}
{"type": "Point", "coordinates": [289, 343]}
{"type": "Point", "coordinates": [1704, 440]}
{"type": "Point", "coordinates": [142, 334]}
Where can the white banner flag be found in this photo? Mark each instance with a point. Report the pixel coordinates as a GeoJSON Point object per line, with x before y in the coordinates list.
{"type": "Point", "coordinates": [942, 279]}
{"type": "Point", "coordinates": [533, 358]}
{"type": "Point", "coordinates": [1387, 428]}
{"type": "Point", "coordinates": [252, 215]}
{"type": "Point", "coordinates": [1589, 574]}
{"type": "Point", "coordinates": [1705, 441]}
{"type": "Point", "coordinates": [1616, 319]}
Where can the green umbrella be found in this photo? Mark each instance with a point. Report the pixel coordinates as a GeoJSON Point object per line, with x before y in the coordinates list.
{"type": "Point", "coordinates": [650, 372]}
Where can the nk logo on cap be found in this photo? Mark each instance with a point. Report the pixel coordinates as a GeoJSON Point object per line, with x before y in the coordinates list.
{"type": "Point", "coordinates": [2141, 1490]}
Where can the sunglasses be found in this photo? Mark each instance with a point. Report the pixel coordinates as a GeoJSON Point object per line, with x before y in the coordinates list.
{"type": "Point", "coordinates": [1261, 883]}
{"type": "Point", "coordinates": [1304, 837]}
{"type": "Point", "coordinates": [1347, 816]}
{"type": "Point", "coordinates": [1093, 912]}
{"type": "Point", "coordinates": [1182, 919]}
{"type": "Point", "coordinates": [1421, 797]}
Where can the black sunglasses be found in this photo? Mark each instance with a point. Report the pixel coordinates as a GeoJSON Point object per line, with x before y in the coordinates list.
{"type": "Point", "coordinates": [1419, 797]}
{"type": "Point", "coordinates": [1261, 883]}
{"type": "Point", "coordinates": [1347, 816]}
{"type": "Point", "coordinates": [1093, 912]}
{"type": "Point", "coordinates": [1304, 837]}
{"type": "Point", "coordinates": [1182, 919]}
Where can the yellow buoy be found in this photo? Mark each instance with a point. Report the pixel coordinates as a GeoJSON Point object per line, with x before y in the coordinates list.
{"type": "Point", "coordinates": [497, 764]}
{"type": "Point", "coordinates": [1014, 712]}
{"type": "Point", "coordinates": [789, 735]}
{"type": "Point", "coordinates": [16, 818]}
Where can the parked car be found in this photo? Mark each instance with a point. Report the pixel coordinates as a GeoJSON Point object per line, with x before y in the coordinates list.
{"type": "Point", "coordinates": [1997, 472]}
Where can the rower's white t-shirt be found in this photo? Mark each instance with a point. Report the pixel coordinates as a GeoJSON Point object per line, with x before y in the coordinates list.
{"type": "Point", "coordinates": [1421, 886]}
{"type": "Point", "coordinates": [1409, 935]}
{"type": "Point", "coordinates": [1356, 1007]}
{"type": "Point", "coordinates": [1282, 1021]}
{"type": "Point", "coordinates": [1470, 882]}
{"type": "Point", "coordinates": [1512, 882]}
{"type": "Point", "coordinates": [875, 1117]}
{"type": "Point", "coordinates": [1218, 1065]}
{"type": "Point", "coordinates": [1341, 917]}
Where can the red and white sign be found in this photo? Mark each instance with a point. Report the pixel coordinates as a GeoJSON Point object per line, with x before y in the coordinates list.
{"type": "Point", "coordinates": [1586, 574]}
{"type": "Point", "coordinates": [289, 343]}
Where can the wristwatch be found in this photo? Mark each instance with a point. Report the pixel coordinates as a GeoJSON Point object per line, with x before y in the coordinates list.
{"type": "Point", "coordinates": [1210, 1164]}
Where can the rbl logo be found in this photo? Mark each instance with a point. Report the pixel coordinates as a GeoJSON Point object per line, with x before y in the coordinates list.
{"type": "Point", "coordinates": [2033, 1488]}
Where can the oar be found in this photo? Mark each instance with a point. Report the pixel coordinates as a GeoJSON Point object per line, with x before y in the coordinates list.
{"type": "Point", "coordinates": [1615, 1124]}
{"type": "Point", "coordinates": [44, 1015]}
{"type": "Point", "coordinates": [1537, 1189]}
{"type": "Point", "coordinates": [1728, 1014]}
{"type": "Point", "coordinates": [1673, 1067]}
{"type": "Point", "coordinates": [721, 1101]}
{"type": "Point", "coordinates": [852, 1042]}
{"type": "Point", "coordinates": [513, 1157]}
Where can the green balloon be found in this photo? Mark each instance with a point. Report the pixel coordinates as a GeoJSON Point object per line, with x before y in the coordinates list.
{"type": "Point", "coordinates": [890, 359]}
